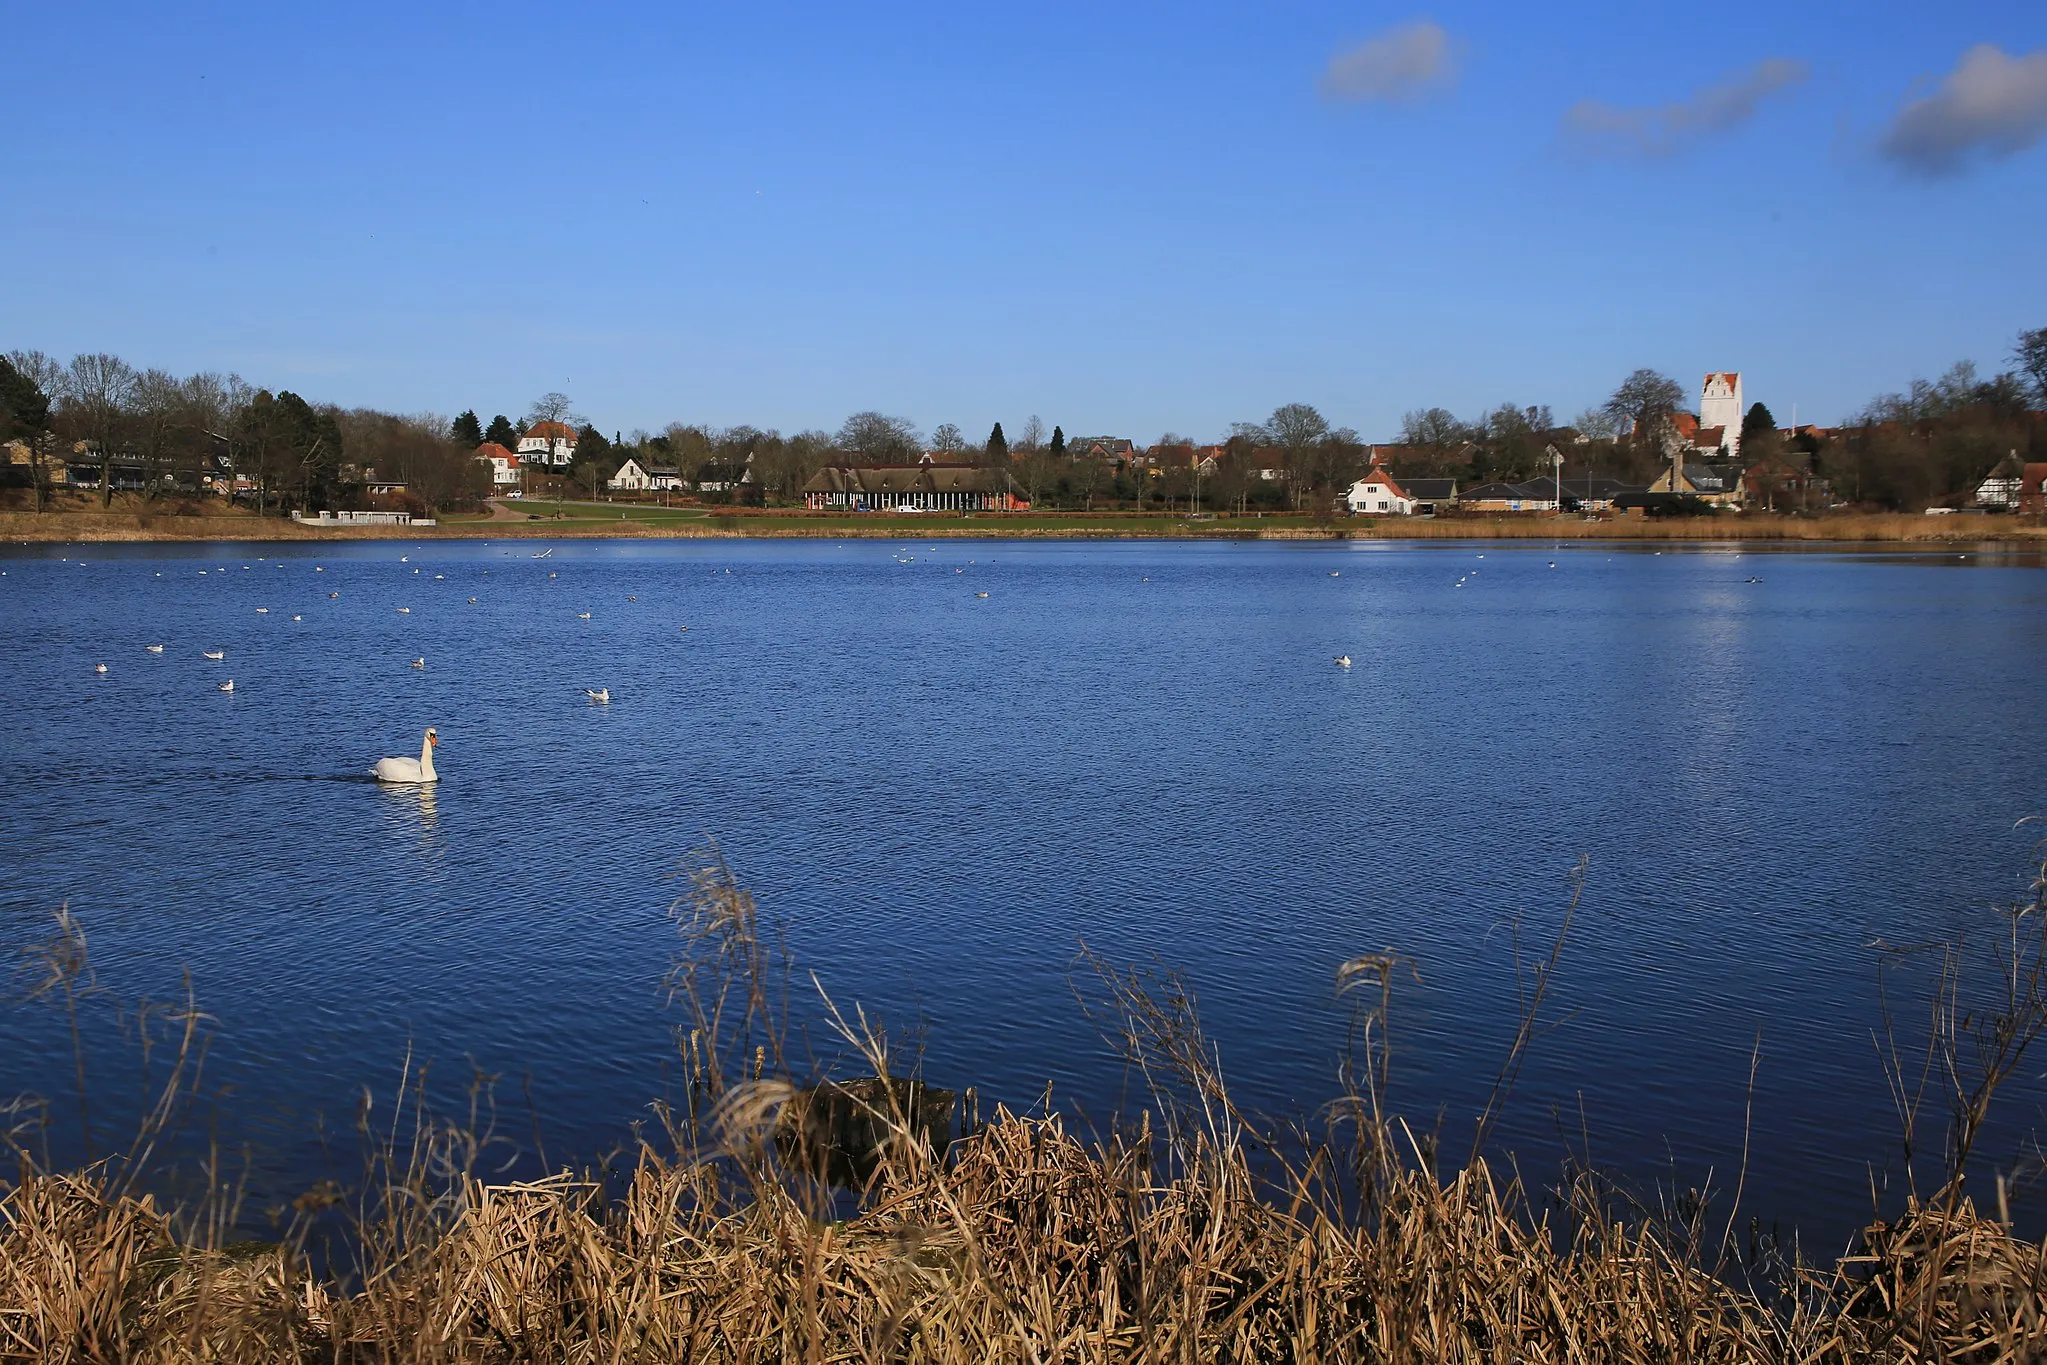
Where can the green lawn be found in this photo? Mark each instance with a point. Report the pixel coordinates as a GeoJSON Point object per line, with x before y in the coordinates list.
{"type": "Point", "coordinates": [582, 514]}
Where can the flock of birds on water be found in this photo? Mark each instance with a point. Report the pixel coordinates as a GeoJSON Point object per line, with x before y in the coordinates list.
{"type": "Point", "coordinates": [422, 768]}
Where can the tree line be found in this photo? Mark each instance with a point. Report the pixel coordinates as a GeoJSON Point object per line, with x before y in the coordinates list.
{"type": "Point", "coordinates": [157, 433]}
{"type": "Point", "coordinates": [161, 435]}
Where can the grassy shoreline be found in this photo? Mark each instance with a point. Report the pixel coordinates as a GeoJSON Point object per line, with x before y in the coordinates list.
{"type": "Point", "coordinates": [658, 523]}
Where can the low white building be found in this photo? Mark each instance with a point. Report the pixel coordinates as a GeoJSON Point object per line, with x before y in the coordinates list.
{"type": "Point", "coordinates": [504, 465]}
{"type": "Point", "coordinates": [634, 477]}
{"type": "Point", "coordinates": [1377, 494]}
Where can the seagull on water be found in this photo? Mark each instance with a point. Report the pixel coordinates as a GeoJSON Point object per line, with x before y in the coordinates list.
{"type": "Point", "coordinates": [333, 594]}
{"type": "Point", "coordinates": [601, 695]}
{"type": "Point", "coordinates": [99, 668]}
{"type": "Point", "coordinates": [405, 611]}
{"type": "Point", "coordinates": [228, 686]}
{"type": "Point", "coordinates": [472, 601]}
{"type": "Point", "coordinates": [262, 611]}
{"type": "Point", "coordinates": [154, 649]}
{"type": "Point", "coordinates": [419, 663]}
{"type": "Point", "coordinates": [980, 594]}
{"type": "Point", "coordinates": [214, 654]}
{"type": "Point", "coordinates": [582, 616]}
{"type": "Point", "coordinates": [1342, 661]}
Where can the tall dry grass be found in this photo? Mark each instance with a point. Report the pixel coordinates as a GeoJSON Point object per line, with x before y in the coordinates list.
{"type": "Point", "coordinates": [1198, 1236]}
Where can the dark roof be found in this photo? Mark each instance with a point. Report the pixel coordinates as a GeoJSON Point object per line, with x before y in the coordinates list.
{"type": "Point", "coordinates": [1535, 490]}
{"type": "Point", "coordinates": [1104, 447]}
{"type": "Point", "coordinates": [1430, 490]}
{"type": "Point", "coordinates": [905, 478]}
{"type": "Point", "coordinates": [1597, 486]}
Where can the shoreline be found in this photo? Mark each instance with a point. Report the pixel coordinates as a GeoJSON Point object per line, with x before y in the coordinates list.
{"type": "Point", "coordinates": [1895, 529]}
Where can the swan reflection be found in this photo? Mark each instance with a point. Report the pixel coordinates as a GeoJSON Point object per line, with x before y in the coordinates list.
{"type": "Point", "coordinates": [413, 806]}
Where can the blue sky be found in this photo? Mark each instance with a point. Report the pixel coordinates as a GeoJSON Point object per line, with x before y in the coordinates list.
{"type": "Point", "coordinates": [1126, 218]}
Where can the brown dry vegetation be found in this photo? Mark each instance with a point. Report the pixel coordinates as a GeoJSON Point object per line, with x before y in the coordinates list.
{"type": "Point", "coordinates": [1193, 1240]}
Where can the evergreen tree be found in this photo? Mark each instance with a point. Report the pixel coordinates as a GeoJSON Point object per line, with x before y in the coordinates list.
{"type": "Point", "coordinates": [24, 407]}
{"type": "Point", "coordinates": [467, 431]}
{"type": "Point", "coordinates": [1756, 422]}
{"type": "Point", "coordinates": [503, 432]}
{"type": "Point", "coordinates": [998, 447]}
{"type": "Point", "coordinates": [1058, 450]}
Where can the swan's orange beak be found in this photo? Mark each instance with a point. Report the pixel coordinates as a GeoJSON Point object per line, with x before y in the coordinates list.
{"type": "Point", "coordinates": [434, 740]}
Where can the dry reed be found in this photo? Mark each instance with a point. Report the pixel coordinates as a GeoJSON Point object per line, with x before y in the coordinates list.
{"type": "Point", "coordinates": [1197, 1238]}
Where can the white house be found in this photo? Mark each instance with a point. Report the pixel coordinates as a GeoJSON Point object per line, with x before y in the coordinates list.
{"type": "Point", "coordinates": [1378, 495]}
{"type": "Point", "coordinates": [548, 443]}
{"type": "Point", "coordinates": [634, 477]}
{"type": "Point", "coordinates": [504, 465]}
{"type": "Point", "coordinates": [1720, 406]}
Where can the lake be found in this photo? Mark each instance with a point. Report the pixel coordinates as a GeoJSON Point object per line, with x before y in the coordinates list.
{"type": "Point", "coordinates": [1768, 760]}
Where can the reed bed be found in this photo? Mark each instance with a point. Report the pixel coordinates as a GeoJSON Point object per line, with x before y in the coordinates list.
{"type": "Point", "coordinates": [1194, 1237]}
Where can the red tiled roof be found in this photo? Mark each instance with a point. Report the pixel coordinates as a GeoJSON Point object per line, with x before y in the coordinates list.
{"type": "Point", "coordinates": [1381, 475]}
{"type": "Point", "coordinates": [491, 450]}
{"type": "Point", "coordinates": [553, 431]}
{"type": "Point", "coordinates": [1685, 424]}
{"type": "Point", "coordinates": [1709, 438]}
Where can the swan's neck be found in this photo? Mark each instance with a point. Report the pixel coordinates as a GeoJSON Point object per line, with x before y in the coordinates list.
{"type": "Point", "coordinates": [426, 758]}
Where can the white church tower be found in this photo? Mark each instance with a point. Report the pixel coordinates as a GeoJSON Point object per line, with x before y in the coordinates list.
{"type": "Point", "coordinates": [1720, 406]}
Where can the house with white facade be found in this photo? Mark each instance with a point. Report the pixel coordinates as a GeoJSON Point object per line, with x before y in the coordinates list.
{"type": "Point", "coordinates": [634, 477]}
{"type": "Point", "coordinates": [504, 465]}
{"type": "Point", "coordinates": [548, 443]}
{"type": "Point", "coordinates": [1377, 494]}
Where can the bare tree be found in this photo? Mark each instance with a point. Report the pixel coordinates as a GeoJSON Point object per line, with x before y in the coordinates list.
{"type": "Point", "coordinates": [876, 436]}
{"type": "Point", "coordinates": [1297, 429]}
{"type": "Point", "coordinates": [1437, 428]}
{"type": "Point", "coordinates": [1597, 423]}
{"type": "Point", "coordinates": [1643, 404]}
{"type": "Point", "coordinates": [550, 407]}
{"type": "Point", "coordinates": [97, 391]}
{"type": "Point", "coordinates": [947, 439]}
{"type": "Point", "coordinates": [159, 411]}
{"type": "Point", "coordinates": [1032, 436]}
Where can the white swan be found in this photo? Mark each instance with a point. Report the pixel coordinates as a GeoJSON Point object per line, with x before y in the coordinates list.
{"type": "Point", "coordinates": [419, 769]}
{"type": "Point", "coordinates": [602, 694]}
{"type": "Point", "coordinates": [228, 686]}
{"type": "Point", "coordinates": [154, 649]}
{"type": "Point", "coordinates": [214, 654]}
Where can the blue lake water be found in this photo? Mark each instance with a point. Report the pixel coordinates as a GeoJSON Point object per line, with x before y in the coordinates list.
{"type": "Point", "coordinates": [1143, 745]}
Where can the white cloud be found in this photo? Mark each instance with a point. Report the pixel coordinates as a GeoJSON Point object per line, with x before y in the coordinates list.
{"type": "Point", "coordinates": [1990, 103]}
{"type": "Point", "coordinates": [1401, 64]}
{"type": "Point", "coordinates": [1601, 127]}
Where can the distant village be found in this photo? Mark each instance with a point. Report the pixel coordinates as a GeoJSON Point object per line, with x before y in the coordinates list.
{"type": "Point", "coordinates": [95, 428]}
